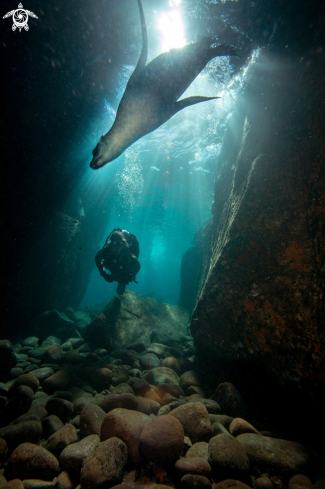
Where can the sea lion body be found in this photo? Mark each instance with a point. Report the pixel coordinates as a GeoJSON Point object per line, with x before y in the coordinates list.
{"type": "Point", "coordinates": [152, 92]}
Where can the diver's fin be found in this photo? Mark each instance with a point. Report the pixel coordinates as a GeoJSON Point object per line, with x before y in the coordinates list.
{"type": "Point", "coordinates": [186, 102]}
{"type": "Point", "coordinates": [144, 52]}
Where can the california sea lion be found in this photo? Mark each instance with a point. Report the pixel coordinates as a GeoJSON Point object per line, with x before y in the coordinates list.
{"type": "Point", "coordinates": [152, 92]}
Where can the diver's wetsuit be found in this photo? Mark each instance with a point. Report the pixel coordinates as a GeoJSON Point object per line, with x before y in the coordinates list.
{"type": "Point", "coordinates": [122, 264]}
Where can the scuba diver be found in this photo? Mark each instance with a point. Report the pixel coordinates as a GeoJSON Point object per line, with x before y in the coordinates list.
{"type": "Point", "coordinates": [120, 257]}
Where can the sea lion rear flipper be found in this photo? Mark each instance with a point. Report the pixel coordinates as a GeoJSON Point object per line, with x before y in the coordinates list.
{"type": "Point", "coordinates": [186, 102]}
{"type": "Point", "coordinates": [224, 50]}
{"type": "Point", "coordinates": [144, 52]}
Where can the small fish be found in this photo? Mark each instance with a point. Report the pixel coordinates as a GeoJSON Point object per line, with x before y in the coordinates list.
{"type": "Point", "coordinates": [155, 168]}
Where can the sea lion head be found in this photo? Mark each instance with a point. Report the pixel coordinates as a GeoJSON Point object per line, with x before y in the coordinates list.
{"type": "Point", "coordinates": [105, 151]}
{"type": "Point", "coordinates": [99, 155]}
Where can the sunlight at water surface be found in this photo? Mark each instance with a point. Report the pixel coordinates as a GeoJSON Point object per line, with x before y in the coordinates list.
{"type": "Point", "coordinates": [171, 27]}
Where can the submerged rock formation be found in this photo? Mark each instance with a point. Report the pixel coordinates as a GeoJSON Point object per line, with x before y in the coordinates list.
{"type": "Point", "coordinates": [47, 273]}
{"type": "Point", "coordinates": [132, 319]}
{"type": "Point", "coordinates": [193, 268]}
{"type": "Point", "coordinates": [262, 299]}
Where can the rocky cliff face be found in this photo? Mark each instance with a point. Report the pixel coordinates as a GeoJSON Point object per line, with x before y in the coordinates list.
{"type": "Point", "coordinates": [262, 300]}
{"type": "Point", "coordinates": [194, 268]}
{"type": "Point", "coordinates": [55, 259]}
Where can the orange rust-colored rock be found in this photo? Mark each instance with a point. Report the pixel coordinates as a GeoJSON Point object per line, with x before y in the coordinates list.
{"type": "Point", "coordinates": [263, 273]}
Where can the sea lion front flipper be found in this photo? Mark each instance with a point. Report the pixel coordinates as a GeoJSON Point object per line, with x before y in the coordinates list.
{"type": "Point", "coordinates": [144, 52]}
{"type": "Point", "coordinates": [186, 102]}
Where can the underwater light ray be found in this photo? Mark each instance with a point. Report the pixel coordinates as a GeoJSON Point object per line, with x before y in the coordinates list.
{"type": "Point", "coordinates": [171, 26]}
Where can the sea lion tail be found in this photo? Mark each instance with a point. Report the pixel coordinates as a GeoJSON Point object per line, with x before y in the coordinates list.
{"type": "Point", "coordinates": [186, 102]}
{"type": "Point", "coordinates": [144, 53]}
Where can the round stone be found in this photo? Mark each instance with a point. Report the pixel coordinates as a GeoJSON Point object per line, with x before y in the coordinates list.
{"type": "Point", "coordinates": [162, 440]}
{"type": "Point", "coordinates": [149, 361]}
{"type": "Point", "coordinates": [161, 375]}
{"type": "Point", "coordinates": [228, 458]}
{"type": "Point", "coordinates": [60, 407]}
{"type": "Point", "coordinates": [61, 380]}
{"type": "Point", "coordinates": [157, 349]}
{"type": "Point", "coordinates": [26, 379]}
{"type": "Point", "coordinates": [61, 439]}
{"type": "Point", "coordinates": [192, 465]}
{"type": "Point", "coordinates": [101, 379]}
{"type": "Point", "coordinates": [3, 450]}
{"type": "Point", "coordinates": [189, 378]}
{"type": "Point", "coordinates": [30, 461]}
{"type": "Point", "coordinates": [195, 421]}
{"type": "Point", "coordinates": [53, 355]}
{"type": "Point", "coordinates": [73, 456]}
{"type": "Point", "coordinates": [192, 481]}
{"type": "Point", "coordinates": [300, 481]}
{"type": "Point", "coordinates": [239, 426]}
{"type": "Point", "coordinates": [91, 419]}
{"type": "Point", "coordinates": [50, 425]}
{"type": "Point", "coordinates": [43, 373]}
{"type": "Point", "coordinates": [31, 341]}
{"type": "Point", "coordinates": [171, 362]}
{"type": "Point", "coordinates": [27, 431]}
{"type": "Point", "coordinates": [230, 400]}
{"type": "Point", "coordinates": [199, 449]}
{"type": "Point", "coordinates": [126, 425]}
{"type": "Point", "coordinates": [104, 467]}
{"type": "Point", "coordinates": [113, 401]}
{"type": "Point", "coordinates": [141, 386]}
{"type": "Point", "coordinates": [172, 389]}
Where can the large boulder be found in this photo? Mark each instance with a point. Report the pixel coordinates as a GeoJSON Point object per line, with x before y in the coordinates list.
{"type": "Point", "coordinates": [195, 421]}
{"type": "Point", "coordinates": [192, 465]}
{"type": "Point", "coordinates": [113, 401]}
{"type": "Point", "coordinates": [91, 419]}
{"type": "Point", "coordinates": [228, 459]}
{"type": "Point", "coordinates": [61, 408]}
{"type": "Point", "coordinates": [30, 461]}
{"type": "Point", "coordinates": [230, 400]}
{"type": "Point", "coordinates": [61, 439]}
{"type": "Point", "coordinates": [162, 440]}
{"type": "Point", "coordinates": [131, 319]}
{"type": "Point", "coordinates": [104, 466]}
{"type": "Point", "coordinates": [73, 456]}
{"type": "Point", "coordinates": [126, 425]}
{"type": "Point", "coordinates": [274, 456]}
{"type": "Point", "coordinates": [15, 434]}
{"type": "Point", "coordinates": [59, 381]}
{"type": "Point", "coordinates": [161, 375]}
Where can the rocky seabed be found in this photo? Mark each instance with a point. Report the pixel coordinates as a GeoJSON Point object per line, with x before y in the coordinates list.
{"type": "Point", "coordinates": [73, 418]}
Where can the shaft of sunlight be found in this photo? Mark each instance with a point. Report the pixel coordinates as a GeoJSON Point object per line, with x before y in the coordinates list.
{"type": "Point", "coordinates": [171, 27]}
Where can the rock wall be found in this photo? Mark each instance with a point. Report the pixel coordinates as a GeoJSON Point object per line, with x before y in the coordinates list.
{"type": "Point", "coordinates": [262, 300]}
{"type": "Point", "coordinates": [194, 268]}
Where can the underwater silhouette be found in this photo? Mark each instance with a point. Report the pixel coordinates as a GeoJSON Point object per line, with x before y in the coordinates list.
{"type": "Point", "coordinates": [151, 95]}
